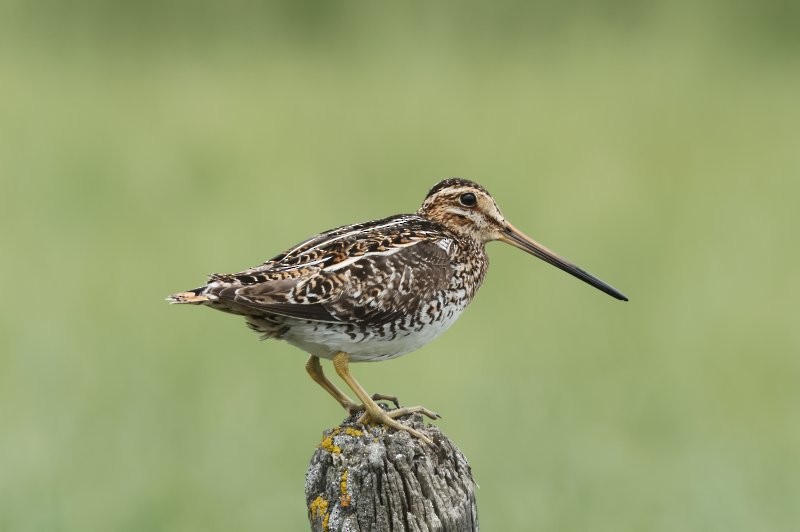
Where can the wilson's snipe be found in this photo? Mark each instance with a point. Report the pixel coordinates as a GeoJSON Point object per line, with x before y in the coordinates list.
{"type": "Point", "coordinates": [376, 290]}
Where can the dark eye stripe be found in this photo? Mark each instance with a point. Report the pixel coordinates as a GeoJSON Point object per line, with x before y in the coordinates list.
{"type": "Point", "coordinates": [468, 199]}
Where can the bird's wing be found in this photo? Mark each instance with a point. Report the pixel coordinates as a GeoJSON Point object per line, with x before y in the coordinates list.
{"type": "Point", "coordinates": [366, 287]}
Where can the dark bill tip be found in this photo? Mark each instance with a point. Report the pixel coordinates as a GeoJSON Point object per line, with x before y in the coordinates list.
{"type": "Point", "coordinates": [518, 239]}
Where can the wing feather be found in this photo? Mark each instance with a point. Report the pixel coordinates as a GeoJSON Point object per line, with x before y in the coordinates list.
{"type": "Point", "coordinates": [374, 289]}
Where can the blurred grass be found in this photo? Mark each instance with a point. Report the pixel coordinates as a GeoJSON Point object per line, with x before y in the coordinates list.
{"type": "Point", "coordinates": [144, 145]}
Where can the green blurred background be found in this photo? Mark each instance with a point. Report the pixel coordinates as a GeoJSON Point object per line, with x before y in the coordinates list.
{"type": "Point", "coordinates": [144, 145]}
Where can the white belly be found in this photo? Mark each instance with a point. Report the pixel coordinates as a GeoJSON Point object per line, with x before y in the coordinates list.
{"type": "Point", "coordinates": [324, 341]}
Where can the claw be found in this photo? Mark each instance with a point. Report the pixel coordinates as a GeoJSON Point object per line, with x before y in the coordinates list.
{"type": "Point", "coordinates": [391, 398]}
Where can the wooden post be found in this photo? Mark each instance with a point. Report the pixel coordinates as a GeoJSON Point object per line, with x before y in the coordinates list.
{"type": "Point", "coordinates": [370, 479]}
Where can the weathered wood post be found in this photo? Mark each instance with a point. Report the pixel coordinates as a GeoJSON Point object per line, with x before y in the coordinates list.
{"type": "Point", "coordinates": [373, 480]}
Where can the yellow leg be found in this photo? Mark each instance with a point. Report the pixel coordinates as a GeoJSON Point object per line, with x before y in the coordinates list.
{"type": "Point", "coordinates": [314, 369]}
{"type": "Point", "coordinates": [373, 412]}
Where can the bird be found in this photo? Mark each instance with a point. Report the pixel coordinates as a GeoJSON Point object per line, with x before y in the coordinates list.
{"type": "Point", "coordinates": [376, 290]}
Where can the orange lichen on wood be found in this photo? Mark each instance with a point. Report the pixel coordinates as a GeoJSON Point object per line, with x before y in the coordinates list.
{"type": "Point", "coordinates": [319, 510]}
{"type": "Point", "coordinates": [328, 445]}
{"type": "Point", "coordinates": [344, 500]}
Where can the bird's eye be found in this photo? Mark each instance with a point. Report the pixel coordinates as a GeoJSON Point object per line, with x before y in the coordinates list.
{"type": "Point", "coordinates": [468, 199]}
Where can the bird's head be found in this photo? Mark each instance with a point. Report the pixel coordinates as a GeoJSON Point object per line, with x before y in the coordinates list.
{"type": "Point", "coordinates": [467, 209]}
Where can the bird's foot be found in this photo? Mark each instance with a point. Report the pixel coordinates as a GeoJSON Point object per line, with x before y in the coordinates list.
{"type": "Point", "coordinates": [404, 411]}
{"type": "Point", "coordinates": [354, 408]}
{"type": "Point", "coordinates": [373, 413]}
{"type": "Point", "coordinates": [383, 417]}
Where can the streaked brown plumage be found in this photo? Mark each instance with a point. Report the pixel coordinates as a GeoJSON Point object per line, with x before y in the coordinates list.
{"type": "Point", "coordinates": [375, 290]}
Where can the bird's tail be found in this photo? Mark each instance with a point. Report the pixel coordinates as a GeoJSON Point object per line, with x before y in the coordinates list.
{"type": "Point", "coordinates": [191, 297]}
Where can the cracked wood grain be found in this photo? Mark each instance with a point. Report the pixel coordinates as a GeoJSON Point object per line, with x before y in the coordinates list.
{"type": "Point", "coordinates": [370, 479]}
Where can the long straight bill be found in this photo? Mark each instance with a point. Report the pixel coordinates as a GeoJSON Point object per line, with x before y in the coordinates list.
{"type": "Point", "coordinates": [515, 237]}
